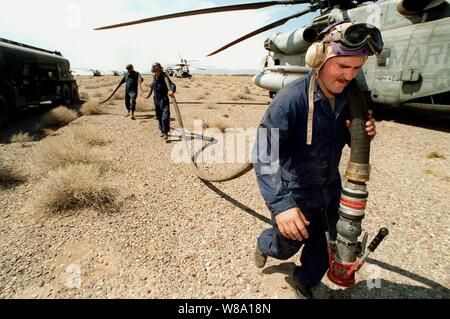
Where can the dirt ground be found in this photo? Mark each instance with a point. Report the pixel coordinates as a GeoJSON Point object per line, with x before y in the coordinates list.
{"type": "Point", "coordinates": [174, 236]}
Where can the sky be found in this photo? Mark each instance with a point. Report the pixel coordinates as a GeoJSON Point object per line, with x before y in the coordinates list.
{"type": "Point", "coordinates": [67, 26]}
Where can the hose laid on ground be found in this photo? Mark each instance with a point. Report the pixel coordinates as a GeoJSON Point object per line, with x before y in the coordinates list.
{"type": "Point", "coordinates": [112, 94]}
{"type": "Point", "coordinates": [201, 174]}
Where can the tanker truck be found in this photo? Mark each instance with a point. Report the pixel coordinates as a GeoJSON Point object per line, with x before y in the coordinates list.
{"type": "Point", "coordinates": [31, 76]}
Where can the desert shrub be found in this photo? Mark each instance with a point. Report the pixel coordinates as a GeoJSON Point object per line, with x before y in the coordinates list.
{"type": "Point", "coordinates": [87, 135]}
{"type": "Point", "coordinates": [75, 186]}
{"type": "Point", "coordinates": [220, 124]}
{"type": "Point", "coordinates": [143, 105]}
{"type": "Point", "coordinates": [97, 94]}
{"type": "Point", "coordinates": [119, 95]}
{"type": "Point", "coordinates": [240, 96]}
{"type": "Point", "coordinates": [57, 117]}
{"type": "Point", "coordinates": [84, 96]}
{"type": "Point", "coordinates": [21, 137]}
{"type": "Point", "coordinates": [435, 154]}
{"type": "Point", "coordinates": [92, 108]}
{"type": "Point", "coordinates": [58, 153]}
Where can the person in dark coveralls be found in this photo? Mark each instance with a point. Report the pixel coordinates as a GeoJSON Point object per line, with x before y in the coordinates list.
{"type": "Point", "coordinates": [132, 82]}
{"type": "Point", "coordinates": [304, 183]}
{"type": "Point", "coordinates": [161, 94]}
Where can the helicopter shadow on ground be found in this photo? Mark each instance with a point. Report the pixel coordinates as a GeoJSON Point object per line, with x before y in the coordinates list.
{"type": "Point", "coordinates": [427, 120]}
{"type": "Point", "coordinates": [383, 289]}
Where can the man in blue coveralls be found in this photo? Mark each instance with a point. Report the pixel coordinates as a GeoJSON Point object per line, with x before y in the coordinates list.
{"type": "Point", "coordinates": [132, 80]}
{"type": "Point", "coordinates": [161, 99]}
{"type": "Point", "coordinates": [309, 122]}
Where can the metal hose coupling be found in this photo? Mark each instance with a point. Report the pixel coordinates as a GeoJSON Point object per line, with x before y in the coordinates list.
{"type": "Point", "coordinates": [346, 253]}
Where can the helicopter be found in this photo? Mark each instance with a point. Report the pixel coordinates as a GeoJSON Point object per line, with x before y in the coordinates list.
{"type": "Point", "coordinates": [181, 69]}
{"type": "Point", "coordinates": [412, 71]}
{"type": "Point", "coordinates": [96, 73]}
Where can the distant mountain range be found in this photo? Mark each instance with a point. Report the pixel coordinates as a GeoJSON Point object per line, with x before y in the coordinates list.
{"type": "Point", "coordinates": [198, 72]}
{"type": "Point", "coordinates": [225, 72]}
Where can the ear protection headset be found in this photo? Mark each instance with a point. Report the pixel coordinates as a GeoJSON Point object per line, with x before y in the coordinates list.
{"type": "Point", "coordinates": [317, 54]}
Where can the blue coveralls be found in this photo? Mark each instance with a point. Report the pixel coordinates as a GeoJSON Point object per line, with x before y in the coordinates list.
{"type": "Point", "coordinates": [162, 103]}
{"type": "Point", "coordinates": [131, 81]}
{"type": "Point", "coordinates": [307, 176]}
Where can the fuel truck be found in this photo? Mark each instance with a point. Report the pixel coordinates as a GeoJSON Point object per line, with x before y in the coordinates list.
{"type": "Point", "coordinates": [30, 76]}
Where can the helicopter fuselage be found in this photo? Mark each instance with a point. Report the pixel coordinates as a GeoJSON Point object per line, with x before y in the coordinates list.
{"type": "Point", "coordinates": [412, 71]}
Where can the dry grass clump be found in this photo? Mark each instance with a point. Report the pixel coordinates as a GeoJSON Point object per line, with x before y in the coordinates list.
{"type": "Point", "coordinates": [84, 96]}
{"type": "Point", "coordinates": [92, 87]}
{"type": "Point", "coordinates": [97, 94]}
{"type": "Point", "coordinates": [60, 152]}
{"type": "Point", "coordinates": [220, 124]}
{"type": "Point", "coordinates": [92, 108]}
{"type": "Point", "coordinates": [22, 138]}
{"type": "Point", "coordinates": [47, 131]}
{"type": "Point", "coordinates": [58, 117]}
{"type": "Point", "coordinates": [240, 96]}
{"type": "Point", "coordinates": [435, 154]}
{"type": "Point", "coordinates": [87, 135]}
{"type": "Point", "coordinates": [119, 95]}
{"type": "Point", "coordinates": [75, 186]}
{"type": "Point", "coordinates": [202, 95]}
{"type": "Point", "coordinates": [143, 105]}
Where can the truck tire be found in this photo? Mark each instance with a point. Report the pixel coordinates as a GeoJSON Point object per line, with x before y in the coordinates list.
{"type": "Point", "coordinates": [66, 95]}
{"type": "Point", "coordinates": [74, 93]}
{"type": "Point", "coordinates": [4, 112]}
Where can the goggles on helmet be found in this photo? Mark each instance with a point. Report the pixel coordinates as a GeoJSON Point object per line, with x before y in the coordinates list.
{"type": "Point", "coordinates": [359, 35]}
{"type": "Point", "coordinates": [353, 39]}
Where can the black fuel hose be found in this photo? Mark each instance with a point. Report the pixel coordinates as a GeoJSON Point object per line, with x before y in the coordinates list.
{"type": "Point", "coordinates": [359, 115]}
{"type": "Point", "coordinates": [201, 174]}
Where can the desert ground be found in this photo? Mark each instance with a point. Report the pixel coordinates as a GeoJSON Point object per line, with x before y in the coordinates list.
{"type": "Point", "coordinates": [92, 204]}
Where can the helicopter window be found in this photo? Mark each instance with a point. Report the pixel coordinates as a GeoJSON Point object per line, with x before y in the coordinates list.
{"type": "Point", "coordinates": [277, 62]}
{"type": "Point", "coordinates": [383, 57]}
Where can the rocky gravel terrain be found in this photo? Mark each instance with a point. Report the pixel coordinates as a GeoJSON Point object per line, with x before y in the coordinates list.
{"type": "Point", "coordinates": [174, 236]}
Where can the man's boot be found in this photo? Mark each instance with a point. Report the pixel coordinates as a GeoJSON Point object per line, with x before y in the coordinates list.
{"type": "Point", "coordinates": [128, 114]}
{"type": "Point", "coordinates": [132, 116]}
{"type": "Point", "coordinates": [260, 258]}
{"type": "Point", "coordinates": [166, 137]}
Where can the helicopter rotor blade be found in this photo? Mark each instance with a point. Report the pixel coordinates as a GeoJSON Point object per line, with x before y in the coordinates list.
{"type": "Point", "coordinates": [237, 7]}
{"type": "Point", "coordinates": [265, 28]}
